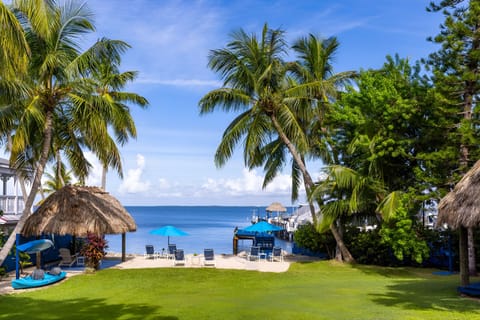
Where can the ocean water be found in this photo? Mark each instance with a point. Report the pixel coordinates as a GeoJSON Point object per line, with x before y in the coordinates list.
{"type": "Point", "coordinates": [207, 226]}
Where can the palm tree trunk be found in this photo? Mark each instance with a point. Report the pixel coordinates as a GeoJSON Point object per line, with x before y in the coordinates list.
{"type": "Point", "coordinates": [104, 177]}
{"type": "Point", "coordinates": [309, 184]}
{"type": "Point", "coordinates": [47, 133]}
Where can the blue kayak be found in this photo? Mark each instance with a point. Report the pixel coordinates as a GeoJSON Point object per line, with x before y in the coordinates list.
{"type": "Point", "coordinates": [28, 282]}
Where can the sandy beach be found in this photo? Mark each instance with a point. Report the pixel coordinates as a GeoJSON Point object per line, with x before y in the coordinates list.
{"type": "Point", "coordinates": [222, 261]}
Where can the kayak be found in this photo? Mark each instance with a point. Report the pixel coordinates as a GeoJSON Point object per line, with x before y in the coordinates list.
{"type": "Point", "coordinates": [29, 282]}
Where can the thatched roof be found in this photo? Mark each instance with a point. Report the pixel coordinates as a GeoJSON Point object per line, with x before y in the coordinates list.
{"type": "Point", "coordinates": [78, 211]}
{"type": "Point", "coordinates": [461, 207]}
{"type": "Point", "coordinates": [276, 207]}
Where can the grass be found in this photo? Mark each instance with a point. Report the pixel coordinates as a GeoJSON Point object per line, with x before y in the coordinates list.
{"type": "Point", "coordinates": [316, 290]}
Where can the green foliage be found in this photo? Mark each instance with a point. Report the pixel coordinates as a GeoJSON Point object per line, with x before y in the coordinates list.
{"type": "Point", "coordinates": [94, 250]}
{"type": "Point", "coordinates": [399, 233]}
{"type": "Point", "coordinates": [309, 238]}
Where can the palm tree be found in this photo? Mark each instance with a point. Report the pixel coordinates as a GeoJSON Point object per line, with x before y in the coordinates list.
{"type": "Point", "coordinates": [316, 88]}
{"type": "Point", "coordinates": [57, 76]}
{"type": "Point", "coordinates": [112, 101]}
{"type": "Point", "coordinates": [256, 83]}
{"type": "Point", "coordinates": [59, 178]}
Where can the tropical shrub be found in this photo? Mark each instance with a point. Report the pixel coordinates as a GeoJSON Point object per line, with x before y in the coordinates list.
{"type": "Point", "coordinates": [94, 250]}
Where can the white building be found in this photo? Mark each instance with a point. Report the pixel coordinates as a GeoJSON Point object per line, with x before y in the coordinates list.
{"type": "Point", "coordinates": [11, 200]}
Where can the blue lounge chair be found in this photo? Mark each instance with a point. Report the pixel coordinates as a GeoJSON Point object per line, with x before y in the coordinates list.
{"type": "Point", "coordinates": [208, 257]}
{"type": "Point", "coordinates": [277, 254]}
{"type": "Point", "coordinates": [149, 252]}
{"type": "Point", "coordinates": [254, 253]}
{"type": "Point", "coordinates": [179, 257]}
{"type": "Point", "coordinates": [171, 251]}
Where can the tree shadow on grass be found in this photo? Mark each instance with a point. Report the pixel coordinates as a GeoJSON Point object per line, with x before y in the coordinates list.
{"type": "Point", "coordinates": [18, 307]}
{"type": "Point", "coordinates": [419, 289]}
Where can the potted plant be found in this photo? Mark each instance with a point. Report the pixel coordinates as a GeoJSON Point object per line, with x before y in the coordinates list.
{"type": "Point", "coordinates": [94, 250]}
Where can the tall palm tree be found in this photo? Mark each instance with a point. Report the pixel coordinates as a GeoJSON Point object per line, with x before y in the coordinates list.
{"type": "Point", "coordinates": [316, 88]}
{"type": "Point", "coordinates": [112, 101]}
{"type": "Point", "coordinates": [256, 84]}
{"type": "Point", "coordinates": [57, 76]}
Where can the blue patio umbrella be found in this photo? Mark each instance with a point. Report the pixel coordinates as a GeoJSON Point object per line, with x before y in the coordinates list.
{"type": "Point", "coordinates": [35, 246]}
{"type": "Point", "coordinates": [169, 231]}
{"type": "Point", "coordinates": [262, 226]}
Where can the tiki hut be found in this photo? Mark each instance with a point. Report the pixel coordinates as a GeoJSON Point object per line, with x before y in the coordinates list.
{"type": "Point", "coordinates": [276, 207]}
{"type": "Point", "coordinates": [78, 211]}
{"type": "Point", "coordinates": [460, 209]}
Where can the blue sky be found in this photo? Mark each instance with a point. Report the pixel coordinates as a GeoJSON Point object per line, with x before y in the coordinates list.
{"type": "Point", "coordinates": [171, 161]}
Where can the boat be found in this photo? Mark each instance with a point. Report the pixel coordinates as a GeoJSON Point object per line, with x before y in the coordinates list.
{"type": "Point", "coordinates": [28, 282]}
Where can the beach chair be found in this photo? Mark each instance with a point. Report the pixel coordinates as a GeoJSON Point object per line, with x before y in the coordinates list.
{"type": "Point", "coordinates": [277, 254]}
{"type": "Point", "coordinates": [149, 252]}
{"type": "Point", "coordinates": [254, 253]}
{"type": "Point", "coordinates": [179, 257]}
{"type": "Point", "coordinates": [67, 259]}
{"type": "Point", "coordinates": [171, 251]}
{"type": "Point", "coordinates": [208, 257]}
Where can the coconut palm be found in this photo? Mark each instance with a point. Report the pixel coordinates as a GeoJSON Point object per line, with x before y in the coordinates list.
{"type": "Point", "coordinates": [112, 101]}
{"type": "Point", "coordinates": [256, 83]}
{"type": "Point", "coordinates": [57, 79]}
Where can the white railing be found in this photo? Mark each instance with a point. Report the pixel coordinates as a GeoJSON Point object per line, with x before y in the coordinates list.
{"type": "Point", "coordinates": [11, 204]}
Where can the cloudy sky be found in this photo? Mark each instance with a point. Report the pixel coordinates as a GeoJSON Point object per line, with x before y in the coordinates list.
{"type": "Point", "coordinates": [171, 161]}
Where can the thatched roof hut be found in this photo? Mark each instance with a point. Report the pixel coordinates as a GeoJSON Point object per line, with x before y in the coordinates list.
{"type": "Point", "coordinates": [276, 207]}
{"type": "Point", "coordinates": [461, 207]}
{"type": "Point", "coordinates": [78, 211]}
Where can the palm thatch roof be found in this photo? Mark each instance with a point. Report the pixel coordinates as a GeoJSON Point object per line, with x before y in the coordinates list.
{"type": "Point", "coordinates": [276, 207]}
{"type": "Point", "coordinates": [77, 211]}
{"type": "Point", "coordinates": [461, 207]}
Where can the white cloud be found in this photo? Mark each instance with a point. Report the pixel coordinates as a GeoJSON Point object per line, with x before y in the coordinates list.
{"type": "Point", "coordinates": [133, 181]}
{"type": "Point", "coordinates": [95, 176]}
{"type": "Point", "coordinates": [250, 183]}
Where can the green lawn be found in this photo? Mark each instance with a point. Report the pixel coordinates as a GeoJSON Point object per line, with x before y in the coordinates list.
{"type": "Point", "coordinates": [316, 290]}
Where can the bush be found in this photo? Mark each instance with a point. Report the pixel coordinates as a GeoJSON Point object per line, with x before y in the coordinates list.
{"type": "Point", "coordinates": [94, 250]}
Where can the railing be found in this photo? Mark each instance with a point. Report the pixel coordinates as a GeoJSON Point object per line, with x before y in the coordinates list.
{"type": "Point", "coordinates": [11, 204]}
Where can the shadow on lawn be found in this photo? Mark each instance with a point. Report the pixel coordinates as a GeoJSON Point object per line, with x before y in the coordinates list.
{"type": "Point", "coordinates": [419, 289]}
{"type": "Point", "coordinates": [18, 307]}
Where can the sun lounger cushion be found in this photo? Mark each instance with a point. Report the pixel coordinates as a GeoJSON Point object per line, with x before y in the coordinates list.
{"type": "Point", "coordinates": [38, 274]}
{"type": "Point", "coordinates": [55, 271]}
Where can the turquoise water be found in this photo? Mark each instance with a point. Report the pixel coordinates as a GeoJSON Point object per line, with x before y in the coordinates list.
{"type": "Point", "coordinates": [207, 226]}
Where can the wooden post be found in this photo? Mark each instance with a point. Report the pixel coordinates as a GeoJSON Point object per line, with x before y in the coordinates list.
{"type": "Point", "coordinates": [123, 247]}
{"type": "Point", "coordinates": [463, 244]}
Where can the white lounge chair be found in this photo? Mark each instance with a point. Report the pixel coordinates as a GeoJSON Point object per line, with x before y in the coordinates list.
{"type": "Point", "coordinates": [68, 259]}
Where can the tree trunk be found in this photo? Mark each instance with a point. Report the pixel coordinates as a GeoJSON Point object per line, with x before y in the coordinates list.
{"type": "Point", "coordinates": [463, 243]}
{"type": "Point", "coordinates": [472, 261]}
{"type": "Point", "coordinates": [47, 133]}
{"type": "Point", "coordinates": [308, 181]}
{"type": "Point", "coordinates": [104, 177]}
